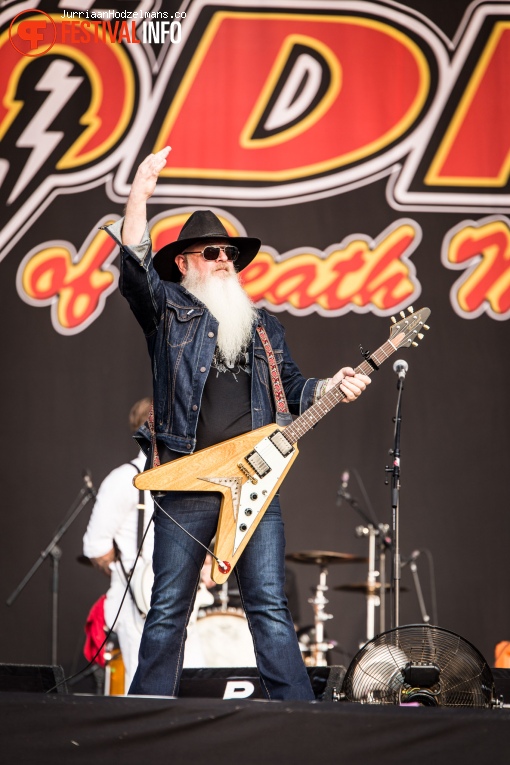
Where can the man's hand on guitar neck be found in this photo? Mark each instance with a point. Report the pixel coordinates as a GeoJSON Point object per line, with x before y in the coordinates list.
{"type": "Point", "coordinates": [351, 384]}
{"type": "Point", "coordinates": [142, 188]}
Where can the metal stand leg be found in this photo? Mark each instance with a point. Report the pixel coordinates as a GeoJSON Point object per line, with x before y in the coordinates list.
{"type": "Point", "coordinates": [320, 647]}
{"type": "Point", "coordinates": [56, 554]}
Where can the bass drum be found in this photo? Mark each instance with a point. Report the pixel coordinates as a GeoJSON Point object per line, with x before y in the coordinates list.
{"type": "Point", "coordinates": [220, 638]}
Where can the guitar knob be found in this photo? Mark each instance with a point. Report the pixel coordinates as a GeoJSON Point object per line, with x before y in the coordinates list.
{"type": "Point", "coordinates": [243, 527]}
{"type": "Point", "coordinates": [403, 314]}
{"type": "Point", "coordinates": [410, 309]}
{"type": "Point", "coordinates": [415, 345]}
{"type": "Point", "coordinates": [426, 326]}
{"type": "Point", "coordinates": [253, 496]}
{"type": "Point", "coordinates": [248, 511]}
{"type": "Point", "coordinates": [393, 320]}
{"type": "Point", "coordinates": [421, 335]}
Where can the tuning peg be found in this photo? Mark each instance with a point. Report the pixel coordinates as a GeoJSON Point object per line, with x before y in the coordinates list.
{"type": "Point", "coordinates": [415, 345]}
{"type": "Point", "coordinates": [393, 320]}
{"type": "Point", "coordinates": [403, 314]}
{"type": "Point", "coordinates": [420, 335]}
{"type": "Point", "coordinates": [410, 309]}
{"type": "Point", "coordinates": [426, 326]}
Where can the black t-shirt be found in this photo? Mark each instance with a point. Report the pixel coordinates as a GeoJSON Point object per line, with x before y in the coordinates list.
{"type": "Point", "coordinates": [225, 410]}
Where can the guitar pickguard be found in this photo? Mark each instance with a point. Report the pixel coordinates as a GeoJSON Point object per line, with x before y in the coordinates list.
{"type": "Point", "coordinates": [234, 484]}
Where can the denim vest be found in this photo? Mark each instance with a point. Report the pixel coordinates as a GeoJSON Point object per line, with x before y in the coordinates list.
{"type": "Point", "coordinates": [181, 338]}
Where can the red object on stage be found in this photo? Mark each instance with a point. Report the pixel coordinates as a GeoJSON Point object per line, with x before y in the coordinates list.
{"type": "Point", "coordinates": [94, 631]}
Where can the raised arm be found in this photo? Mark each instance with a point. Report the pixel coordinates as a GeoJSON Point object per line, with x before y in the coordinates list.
{"type": "Point", "coordinates": [142, 188]}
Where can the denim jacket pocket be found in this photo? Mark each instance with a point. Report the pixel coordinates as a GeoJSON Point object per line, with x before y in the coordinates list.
{"type": "Point", "coordinates": [182, 324]}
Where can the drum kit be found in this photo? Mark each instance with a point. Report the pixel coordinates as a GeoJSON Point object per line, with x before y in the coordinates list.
{"type": "Point", "coordinates": [316, 651]}
{"type": "Point", "coordinates": [218, 632]}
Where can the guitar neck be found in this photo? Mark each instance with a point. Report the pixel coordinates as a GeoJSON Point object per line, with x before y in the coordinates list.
{"type": "Point", "coordinates": [316, 412]}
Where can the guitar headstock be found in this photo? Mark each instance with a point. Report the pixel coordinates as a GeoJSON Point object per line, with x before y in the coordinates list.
{"type": "Point", "coordinates": [408, 329]}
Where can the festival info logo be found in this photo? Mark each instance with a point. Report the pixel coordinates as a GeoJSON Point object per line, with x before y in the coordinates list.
{"type": "Point", "coordinates": [33, 33]}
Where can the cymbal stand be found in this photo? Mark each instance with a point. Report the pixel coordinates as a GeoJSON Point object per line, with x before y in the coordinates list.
{"type": "Point", "coordinates": [373, 600]}
{"type": "Point", "coordinates": [372, 530]}
{"type": "Point", "coordinates": [319, 601]}
{"type": "Point", "coordinates": [223, 597]}
{"type": "Point", "coordinates": [385, 543]}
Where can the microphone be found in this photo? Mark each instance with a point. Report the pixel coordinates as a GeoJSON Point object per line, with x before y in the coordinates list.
{"type": "Point", "coordinates": [400, 367]}
{"type": "Point", "coordinates": [341, 493]}
{"type": "Point", "coordinates": [87, 480]}
{"type": "Point", "coordinates": [414, 555]}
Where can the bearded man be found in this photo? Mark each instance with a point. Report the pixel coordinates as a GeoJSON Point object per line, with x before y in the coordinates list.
{"type": "Point", "coordinates": [211, 382]}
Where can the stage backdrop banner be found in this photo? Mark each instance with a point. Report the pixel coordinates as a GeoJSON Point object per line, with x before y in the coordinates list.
{"type": "Point", "coordinates": [367, 144]}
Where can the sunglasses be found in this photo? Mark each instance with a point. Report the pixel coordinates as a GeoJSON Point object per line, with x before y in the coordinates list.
{"type": "Point", "coordinates": [212, 251]}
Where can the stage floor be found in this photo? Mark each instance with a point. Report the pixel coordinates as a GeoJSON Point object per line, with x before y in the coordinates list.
{"type": "Point", "coordinates": [95, 730]}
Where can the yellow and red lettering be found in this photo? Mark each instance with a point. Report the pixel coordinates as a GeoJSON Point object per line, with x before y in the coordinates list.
{"type": "Point", "coordinates": [360, 57]}
{"type": "Point", "coordinates": [75, 288]}
{"type": "Point", "coordinates": [484, 252]}
{"type": "Point", "coordinates": [472, 152]}
{"type": "Point", "coordinates": [357, 276]}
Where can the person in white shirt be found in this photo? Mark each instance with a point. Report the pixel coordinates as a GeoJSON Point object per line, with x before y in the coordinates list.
{"type": "Point", "coordinates": [111, 543]}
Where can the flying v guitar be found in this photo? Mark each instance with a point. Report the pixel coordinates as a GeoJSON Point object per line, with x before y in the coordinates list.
{"type": "Point", "coordinates": [249, 469]}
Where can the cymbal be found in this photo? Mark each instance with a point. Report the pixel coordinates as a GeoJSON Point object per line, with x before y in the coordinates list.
{"type": "Point", "coordinates": [365, 588]}
{"type": "Point", "coordinates": [324, 558]}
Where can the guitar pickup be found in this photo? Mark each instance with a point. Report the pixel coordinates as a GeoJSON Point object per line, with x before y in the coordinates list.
{"type": "Point", "coordinates": [259, 464]}
{"type": "Point", "coordinates": [280, 442]}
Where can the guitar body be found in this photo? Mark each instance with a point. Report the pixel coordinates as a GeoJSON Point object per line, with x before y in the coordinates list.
{"type": "Point", "coordinates": [247, 471]}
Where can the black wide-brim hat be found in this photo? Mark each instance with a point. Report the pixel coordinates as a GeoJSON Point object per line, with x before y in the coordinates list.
{"type": "Point", "coordinates": [202, 225]}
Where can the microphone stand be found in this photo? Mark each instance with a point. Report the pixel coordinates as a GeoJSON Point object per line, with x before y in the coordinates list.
{"type": "Point", "coordinates": [395, 506]}
{"type": "Point", "coordinates": [54, 552]}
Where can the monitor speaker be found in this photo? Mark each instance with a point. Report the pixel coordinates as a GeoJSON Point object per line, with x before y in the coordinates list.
{"type": "Point", "coordinates": [31, 678]}
{"type": "Point", "coordinates": [244, 683]}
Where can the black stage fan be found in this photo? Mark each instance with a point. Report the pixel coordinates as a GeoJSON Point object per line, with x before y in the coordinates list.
{"type": "Point", "coordinates": [420, 664]}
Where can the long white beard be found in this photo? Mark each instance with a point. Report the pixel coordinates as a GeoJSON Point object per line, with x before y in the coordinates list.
{"type": "Point", "coordinates": [229, 304]}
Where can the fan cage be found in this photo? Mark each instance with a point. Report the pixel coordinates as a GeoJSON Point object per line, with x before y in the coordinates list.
{"type": "Point", "coordinates": [454, 671]}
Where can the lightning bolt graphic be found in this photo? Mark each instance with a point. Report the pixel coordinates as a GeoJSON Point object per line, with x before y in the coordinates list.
{"type": "Point", "coordinates": [57, 82]}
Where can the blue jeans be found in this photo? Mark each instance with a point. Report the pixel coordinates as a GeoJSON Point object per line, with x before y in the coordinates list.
{"type": "Point", "coordinates": [261, 577]}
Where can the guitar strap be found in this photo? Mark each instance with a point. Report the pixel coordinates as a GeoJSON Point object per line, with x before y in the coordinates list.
{"type": "Point", "coordinates": [155, 454]}
{"type": "Point", "coordinates": [283, 416]}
